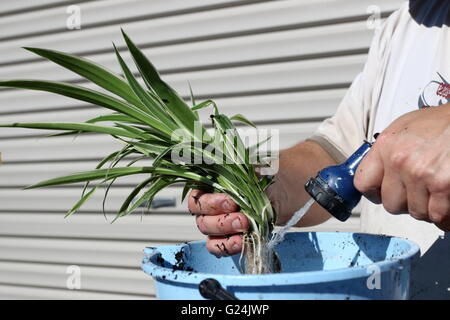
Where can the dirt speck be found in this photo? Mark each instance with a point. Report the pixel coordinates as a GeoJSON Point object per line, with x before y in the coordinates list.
{"type": "Point", "coordinates": [160, 260]}
{"type": "Point", "coordinates": [180, 264]}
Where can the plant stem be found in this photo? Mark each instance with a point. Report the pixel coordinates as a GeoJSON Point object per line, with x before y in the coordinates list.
{"type": "Point", "coordinates": [259, 258]}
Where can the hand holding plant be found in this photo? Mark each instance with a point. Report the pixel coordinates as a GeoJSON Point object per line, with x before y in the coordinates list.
{"type": "Point", "coordinates": [217, 217]}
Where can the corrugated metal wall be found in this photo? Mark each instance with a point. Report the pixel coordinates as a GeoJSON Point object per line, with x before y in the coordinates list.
{"type": "Point", "coordinates": [284, 64]}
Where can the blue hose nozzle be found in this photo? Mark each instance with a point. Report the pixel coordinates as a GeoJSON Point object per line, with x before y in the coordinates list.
{"type": "Point", "coordinates": [333, 186]}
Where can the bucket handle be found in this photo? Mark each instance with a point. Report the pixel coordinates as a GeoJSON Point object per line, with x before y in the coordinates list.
{"type": "Point", "coordinates": [212, 290]}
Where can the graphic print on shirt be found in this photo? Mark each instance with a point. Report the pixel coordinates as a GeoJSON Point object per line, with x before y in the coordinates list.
{"type": "Point", "coordinates": [436, 93]}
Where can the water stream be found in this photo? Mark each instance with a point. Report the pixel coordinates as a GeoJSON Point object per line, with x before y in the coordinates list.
{"type": "Point", "coordinates": [279, 236]}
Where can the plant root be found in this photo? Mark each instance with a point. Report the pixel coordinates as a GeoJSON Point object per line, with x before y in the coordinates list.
{"type": "Point", "coordinates": [259, 258]}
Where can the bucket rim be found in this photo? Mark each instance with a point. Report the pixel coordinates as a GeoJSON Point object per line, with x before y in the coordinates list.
{"type": "Point", "coordinates": [286, 278]}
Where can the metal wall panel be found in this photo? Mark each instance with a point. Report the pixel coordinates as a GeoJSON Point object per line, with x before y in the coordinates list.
{"type": "Point", "coordinates": [284, 64]}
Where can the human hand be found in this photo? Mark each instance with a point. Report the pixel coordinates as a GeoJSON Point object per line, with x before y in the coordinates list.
{"type": "Point", "coordinates": [408, 168]}
{"type": "Point", "coordinates": [217, 217]}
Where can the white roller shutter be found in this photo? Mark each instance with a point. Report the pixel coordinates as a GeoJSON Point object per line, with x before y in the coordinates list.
{"type": "Point", "coordinates": [284, 64]}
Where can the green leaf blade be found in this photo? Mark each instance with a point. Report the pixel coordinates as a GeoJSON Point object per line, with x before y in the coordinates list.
{"type": "Point", "coordinates": [70, 126]}
{"type": "Point", "coordinates": [241, 118]}
{"type": "Point", "coordinates": [97, 174]}
{"type": "Point", "coordinates": [91, 71]}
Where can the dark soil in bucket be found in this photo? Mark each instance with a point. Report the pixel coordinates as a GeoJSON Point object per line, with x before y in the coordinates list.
{"type": "Point", "coordinates": [180, 263]}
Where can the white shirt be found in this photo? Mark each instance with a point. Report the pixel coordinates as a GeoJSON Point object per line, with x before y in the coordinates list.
{"type": "Point", "coordinates": [408, 68]}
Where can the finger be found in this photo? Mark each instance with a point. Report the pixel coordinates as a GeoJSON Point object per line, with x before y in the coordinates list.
{"type": "Point", "coordinates": [224, 246]}
{"type": "Point", "coordinates": [439, 210]}
{"type": "Point", "coordinates": [222, 224]}
{"type": "Point", "coordinates": [373, 195]}
{"type": "Point", "coordinates": [418, 197]}
{"type": "Point", "coordinates": [369, 176]}
{"type": "Point", "coordinates": [393, 194]}
{"type": "Point", "coordinates": [200, 202]}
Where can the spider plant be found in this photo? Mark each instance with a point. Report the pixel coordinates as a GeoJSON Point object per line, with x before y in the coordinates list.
{"type": "Point", "coordinates": [154, 122]}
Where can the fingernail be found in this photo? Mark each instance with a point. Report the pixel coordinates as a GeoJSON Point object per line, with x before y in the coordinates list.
{"type": "Point", "coordinates": [227, 205]}
{"type": "Point", "coordinates": [236, 247]}
{"type": "Point", "coordinates": [237, 225]}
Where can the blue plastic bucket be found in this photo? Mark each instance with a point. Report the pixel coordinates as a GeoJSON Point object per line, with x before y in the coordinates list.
{"type": "Point", "coordinates": [315, 265]}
